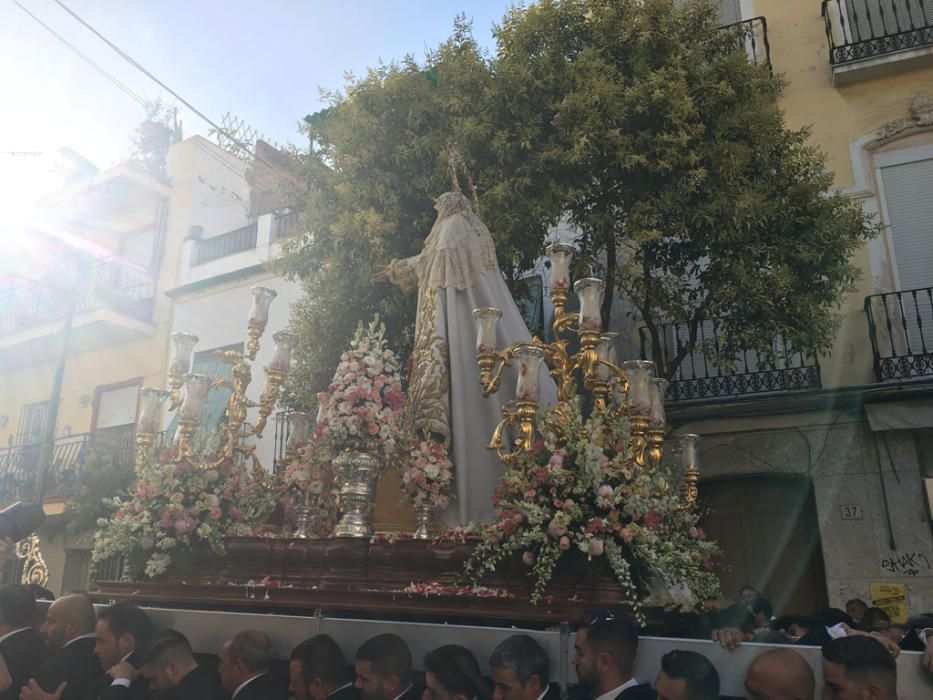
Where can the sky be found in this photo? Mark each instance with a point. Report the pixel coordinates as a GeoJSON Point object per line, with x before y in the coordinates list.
{"type": "Point", "coordinates": [260, 60]}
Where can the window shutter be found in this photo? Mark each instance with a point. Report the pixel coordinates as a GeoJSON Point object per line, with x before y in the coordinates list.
{"type": "Point", "coordinates": [908, 194]}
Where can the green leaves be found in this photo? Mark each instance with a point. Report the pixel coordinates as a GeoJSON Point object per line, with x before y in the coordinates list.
{"type": "Point", "coordinates": [645, 127]}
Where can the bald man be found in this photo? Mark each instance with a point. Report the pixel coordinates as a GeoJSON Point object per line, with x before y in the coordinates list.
{"type": "Point", "coordinates": [72, 669]}
{"type": "Point", "coordinates": [244, 667]}
{"type": "Point", "coordinates": [780, 674]}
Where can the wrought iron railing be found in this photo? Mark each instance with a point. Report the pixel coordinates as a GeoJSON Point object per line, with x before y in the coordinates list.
{"type": "Point", "coordinates": [900, 326]}
{"type": "Point", "coordinates": [225, 244]}
{"type": "Point", "coordinates": [752, 37]}
{"type": "Point", "coordinates": [858, 29]}
{"type": "Point", "coordinates": [19, 465]}
{"type": "Point", "coordinates": [705, 373]}
{"type": "Point", "coordinates": [285, 225]}
{"type": "Point", "coordinates": [103, 284]}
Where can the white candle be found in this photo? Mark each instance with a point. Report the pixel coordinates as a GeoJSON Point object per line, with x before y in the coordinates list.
{"type": "Point", "coordinates": [590, 292]}
{"type": "Point", "coordinates": [605, 351]}
{"type": "Point", "coordinates": [197, 389]}
{"type": "Point", "coordinates": [529, 365]}
{"type": "Point", "coordinates": [688, 450]}
{"type": "Point", "coordinates": [285, 342]}
{"type": "Point", "coordinates": [560, 255]}
{"type": "Point", "coordinates": [182, 347]}
{"type": "Point", "coordinates": [486, 319]}
{"type": "Point", "coordinates": [299, 427]}
{"type": "Point", "coordinates": [656, 417]}
{"type": "Point", "coordinates": [259, 311]}
{"type": "Point", "coordinates": [639, 374]}
{"type": "Point", "coordinates": [150, 414]}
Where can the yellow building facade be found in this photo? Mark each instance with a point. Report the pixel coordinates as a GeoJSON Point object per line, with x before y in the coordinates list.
{"type": "Point", "coordinates": [816, 469]}
{"type": "Point", "coordinates": [111, 245]}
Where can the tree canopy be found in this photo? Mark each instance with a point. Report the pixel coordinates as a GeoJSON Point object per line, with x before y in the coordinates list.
{"type": "Point", "coordinates": [643, 124]}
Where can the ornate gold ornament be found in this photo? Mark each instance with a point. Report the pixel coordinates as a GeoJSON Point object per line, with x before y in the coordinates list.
{"type": "Point", "coordinates": [35, 570]}
{"type": "Point", "coordinates": [188, 392]}
{"type": "Point", "coordinates": [630, 389]}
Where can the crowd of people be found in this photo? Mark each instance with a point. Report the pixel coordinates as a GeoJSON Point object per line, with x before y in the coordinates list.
{"type": "Point", "coordinates": [118, 654]}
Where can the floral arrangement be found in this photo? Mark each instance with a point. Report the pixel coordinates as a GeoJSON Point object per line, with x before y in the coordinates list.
{"type": "Point", "coordinates": [583, 490]}
{"type": "Point", "coordinates": [428, 475]}
{"type": "Point", "coordinates": [309, 481]}
{"type": "Point", "coordinates": [177, 507]}
{"type": "Point", "coordinates": [363, 404]}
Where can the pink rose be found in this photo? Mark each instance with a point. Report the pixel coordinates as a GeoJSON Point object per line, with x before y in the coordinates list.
{"type": "Point", "coordinates": [565, 543]}
{"type": "Point", "coordinates": [596, 547]}
{"type": "Point", "coordinates": [528, 558]}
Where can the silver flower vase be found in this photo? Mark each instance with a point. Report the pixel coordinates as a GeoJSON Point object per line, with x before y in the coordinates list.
{"type": "Point", "coordinates": [358, 473]}
{"type": "Point", "coordinates": [424, 514]}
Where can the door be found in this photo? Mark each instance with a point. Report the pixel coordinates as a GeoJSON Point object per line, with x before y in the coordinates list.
{"type": "Point", "coordinates": [114, 426]}
{"type": "Point", "coordinates": [768, 530]}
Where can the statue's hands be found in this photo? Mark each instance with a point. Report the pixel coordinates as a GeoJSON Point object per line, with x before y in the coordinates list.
{"type": "Point", "coordinates": [382, 274]}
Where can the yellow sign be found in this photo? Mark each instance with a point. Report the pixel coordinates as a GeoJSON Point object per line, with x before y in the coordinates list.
{"type": "Point", "coordinates": [892, 598]}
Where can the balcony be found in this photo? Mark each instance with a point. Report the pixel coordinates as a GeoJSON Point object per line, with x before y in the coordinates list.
{"type": "Point", "coordinates": [19, 465]}
{"type": "Point", "coordinates": [113, 305]}
{"type": "Point", "coordinates": [872, 38]}
{"type": "Point", "coordinates": [241, 251]}
{"type": "Point", "coordinates": [752, 37]}
{"type": "Point", "coordinates": [900, 326]}
{"type": "Point", "coordinates": [706, 375]}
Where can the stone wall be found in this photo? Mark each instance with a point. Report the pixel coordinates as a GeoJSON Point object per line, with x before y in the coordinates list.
{"type": "Point", "coordinates": [866, 538]}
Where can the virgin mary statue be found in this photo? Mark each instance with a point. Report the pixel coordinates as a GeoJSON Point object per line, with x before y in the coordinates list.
{"type": "Point", "coordinates": [455, 273]}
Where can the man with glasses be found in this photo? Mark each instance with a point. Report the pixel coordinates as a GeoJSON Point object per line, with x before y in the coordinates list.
{"type": "Point", "coordinates": [604, 656]}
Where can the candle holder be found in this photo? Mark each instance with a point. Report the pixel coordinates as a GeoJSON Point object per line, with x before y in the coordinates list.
{"type": "Point", "coordinates": [303, 523]}
{"type": "Point", "coordinates": [594, 363]}
{"type": "Point", "coordinates": [656, 423]}
{"type": "Point", "coordinates": [258, 318]}
{"type": "Point", "coordinates": [689, 490]}
{"type": "Point", "coordinates": [234, 429]}
{"type": "Point", "coordinates": [147, 426]}
{"type": "Point", "coordinates": [182, 345]}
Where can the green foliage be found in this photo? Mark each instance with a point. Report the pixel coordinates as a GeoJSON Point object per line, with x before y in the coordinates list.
{"type": "Point", "coordinates": [153, 137]}
{"type": "Point", "coordinates": [643, 125]}
{"type": "Point", "coordinates": [104, 476]}
{"type": "Point", "coordinates": [378, 161]}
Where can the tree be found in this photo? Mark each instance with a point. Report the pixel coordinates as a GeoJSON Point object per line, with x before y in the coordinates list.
{"type": "Point", "coordinates": [644, 124]}
{"type": "Point", "coordinates": [692, 197]}
{"type": "Point", "coordinates": [379, 157]}
{"type": "Point", "coordinates": [153, 137]}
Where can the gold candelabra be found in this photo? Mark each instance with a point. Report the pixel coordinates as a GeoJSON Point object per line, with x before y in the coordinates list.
{"type": "Point", "coordinates": [188, 392]}
{"type": "Point", "coordinates": [628, 389]}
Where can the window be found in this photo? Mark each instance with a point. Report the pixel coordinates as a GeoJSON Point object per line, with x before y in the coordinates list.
{"type": "Point", "coordinates": [909, 207]}
{"type": "Point", "coordinates": [206, 362]}
{"type": "Point", "coordinates": [32, 421]}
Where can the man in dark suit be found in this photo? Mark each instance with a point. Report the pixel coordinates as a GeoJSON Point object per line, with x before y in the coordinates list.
{"type": "Point", "coordinates": [384, 670]}
{"type": "Point", "coordinates": [520, 670]}
{"type": "Point", "coordinates": [244, 667]}
{"type": "Point", "coordinates": [604, 656]}
{"type": "Point", "coordinates": [21, 645]}
{"type": "Point", "coordinates": [174, 674]}
{"type": "Point", "coordinates": [318, 671]}
{"type": "Point", "coordinates": [122, 629]}
{"type": "Point", "coordinates": [686, 675]}
{"type": "Point", "coordinates": [71, 671]}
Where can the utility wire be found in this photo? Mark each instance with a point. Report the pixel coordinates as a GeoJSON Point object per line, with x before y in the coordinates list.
{"type": "Point", "coordinates": [133, 62]}
{"type": "Point", "coordinates": [90, 61]}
